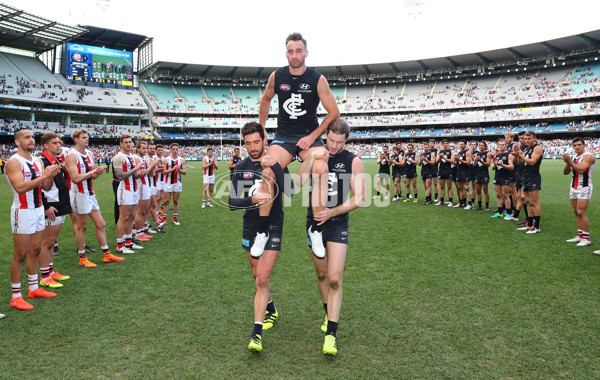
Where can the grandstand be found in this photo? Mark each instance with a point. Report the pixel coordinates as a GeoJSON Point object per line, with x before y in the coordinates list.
{"type": "Point", "coordinates": [36, 93]}
{"type": "Point", "coordinates": [552, 87]}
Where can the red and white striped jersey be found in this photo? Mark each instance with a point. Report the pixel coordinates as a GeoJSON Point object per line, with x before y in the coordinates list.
{"type": "Point", "coordinates": [210, 170]}
{"type": "Point", "coordinates": [158, 177]}
{"type": "Point", "coordinates": [30, 170]}
{"type": "Point", "coordinates": [85, 164]}
{"type": "Point", "coordinates": [174, 176]}
{"type": "Point", "coordinates": [582, 179]}
{"type": "Point", "coordinates": [62, 158]}
{"type": "Point", "coordinates": [130, 182]}
{"type": "Point", "coordinates": [143, 180]}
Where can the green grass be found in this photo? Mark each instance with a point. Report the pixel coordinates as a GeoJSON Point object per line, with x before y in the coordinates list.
{"type": "Point", "coordinates": [429, 292]}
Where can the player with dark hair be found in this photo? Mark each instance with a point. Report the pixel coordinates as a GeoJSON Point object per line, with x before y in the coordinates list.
{"type": "Point", "coordinates": [57, 206]}
{"type": "Point", "coordinates": [445, 159]}
{"type": "Point", "coordinates": [509, 138]}
{"type": "Point", "coordinates": [427, 161]}
{"type": "Point", "coordinates": [234, 160]}
{"type": "Point", "coordinates": [27, 176]}
{"type": "Point", "coordinates": [434, 183]}
{"type": "Point", "coordinates": [503, 165]}
{"type": "Point", "coordinates": [410, 162]}
{"type": "Point", "coordinates": [246, 195]}
{"type": "Point", "coordinates": [125, 170]}
{"type": "Point", "coordinates": [463, 173]}
{"type": "Point", "coordinates": [582, 166]}
{"type": "Point", "coordinates": [299, 89]}
{"type": "Point", "coordinates": [174, 168]}
{"type": "Point", "coordinates": [209, 165]}
{"type": "Point", "coordinates": [518, 173]}
{"type": "Point", "coordinates": [383, 175]}
{"type": "Point", "coordinates": [531, 157]}
{"type": "Point", "coordinates": [482, 159]}
{"type": "Point", "coordinates": [396, 160]}
{"type": "Point", "coordinates": [346, 174]}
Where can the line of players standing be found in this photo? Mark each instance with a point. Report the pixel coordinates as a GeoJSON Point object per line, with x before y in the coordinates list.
{"type": "Point", "coordinates": [60, 183]}
{"type": "Point", "coordinates": [515, 166]}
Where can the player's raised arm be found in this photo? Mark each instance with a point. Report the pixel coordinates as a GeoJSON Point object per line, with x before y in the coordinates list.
{"type": "Point", "coordinates": [265, 103]}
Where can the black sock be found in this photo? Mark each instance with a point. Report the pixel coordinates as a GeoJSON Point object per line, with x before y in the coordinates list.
{"type": "Point", "coordinates": [442, 199]}
{"type": "Point", "coordinates": [517, 213]}
{"type": "Point", "coordinates": [487, 204]}
{"type": "Point", "coordinates": [378, 193]}
{"type": "Point", "coordinates": [524, 208]}
{"type": "Point", "coordinates": [511, 202]}
{"type": "Point", "coordinates": [325, 307]}
{"type": "Point", "coordinates": [257, 330]}
{"type": "Point", "coordinates": [479, 204]}
{"type": "Point", "coordinates": [316, 227]}
{"type": "Point", "coordinates": [536, 222]}
{"type": "Point", "coordinates": [331, 328]}
{"type": "Point", "coordinates": [450, 200]}
{"type": "Point", "coordinates": [263, 224]}
{"type": "Point", "coordinates": [271, 307]}
{"type": "Point", "coordinates": [530, 221]}
{"type": "Point", "coordinates": [436, 195]}
{"type": "Point", "coordinates": [416, 196]}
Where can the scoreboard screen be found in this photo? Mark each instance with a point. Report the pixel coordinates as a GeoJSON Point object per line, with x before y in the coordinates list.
{"type": "Point", "coordinates": [97, 64]}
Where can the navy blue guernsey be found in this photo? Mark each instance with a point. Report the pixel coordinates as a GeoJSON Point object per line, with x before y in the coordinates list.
{"type": "Point", "coordinates": [235, 160]}
{"type": "Point", "coordinates": [446, 156]}
{"type": "Point", "coordinates": [531, 170]}
{"type": "Point", "coordinates": [502, 172]}
{"type": "Point", "coordinates": [480, 168]}
{"type": "Point", "coordinates": [340, 173]}
{"type": "Point", "coordinates": [298, 102]}
{"type": "Point", "coordinates": [245, 181]}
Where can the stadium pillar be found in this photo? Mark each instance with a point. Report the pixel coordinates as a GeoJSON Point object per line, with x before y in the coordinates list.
{"type": "Point", "coordinates": [104, 120]}
{"type": "Point", "coordinates": [33, 116]}
{"type": "Point", "coordinates": [68, 119]}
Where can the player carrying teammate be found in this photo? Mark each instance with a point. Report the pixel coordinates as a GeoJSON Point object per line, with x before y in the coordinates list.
{"type": "Point", "coordinates": [299, 90]}
{"type": "Point", "coordinates": [346, 174]}
{"type": "Point", "coordinates": [245, 194]}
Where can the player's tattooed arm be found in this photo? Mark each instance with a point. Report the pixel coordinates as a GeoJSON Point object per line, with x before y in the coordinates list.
{"type": "Point", "coordinates": [118, 169]}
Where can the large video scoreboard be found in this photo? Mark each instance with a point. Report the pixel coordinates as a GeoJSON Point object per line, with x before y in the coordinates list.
{"type": "Point", "coordinates": [96, 64]}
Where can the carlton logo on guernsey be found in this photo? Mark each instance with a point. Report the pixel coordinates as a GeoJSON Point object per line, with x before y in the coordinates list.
{"type": "Point", "coordinates": [85, 164]}
{"type": "Point", "coordinates": [30, 170]}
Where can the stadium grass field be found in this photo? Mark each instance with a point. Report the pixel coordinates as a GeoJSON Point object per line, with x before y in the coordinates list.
{"type": "Point", "coordinates": [429, 292]}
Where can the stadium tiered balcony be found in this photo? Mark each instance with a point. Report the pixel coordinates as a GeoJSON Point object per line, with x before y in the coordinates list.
{"type": "Point", "coordinates": [26, 78]}
{"type": "Point", "coordinates": [165, 97]}
{"type": "Point", "coordinates": [195, 99]}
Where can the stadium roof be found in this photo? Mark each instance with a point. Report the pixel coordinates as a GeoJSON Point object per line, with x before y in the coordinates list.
{"type": "Point", "coordinates": [561, 48]}
{"type": "Point", "coordinates": [110, 38]}
{"type": "Point", "coordinates": [22, 30]}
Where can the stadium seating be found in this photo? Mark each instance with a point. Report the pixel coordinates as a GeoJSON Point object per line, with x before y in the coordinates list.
{"type": "Point", "coordinates": [27, 77]}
